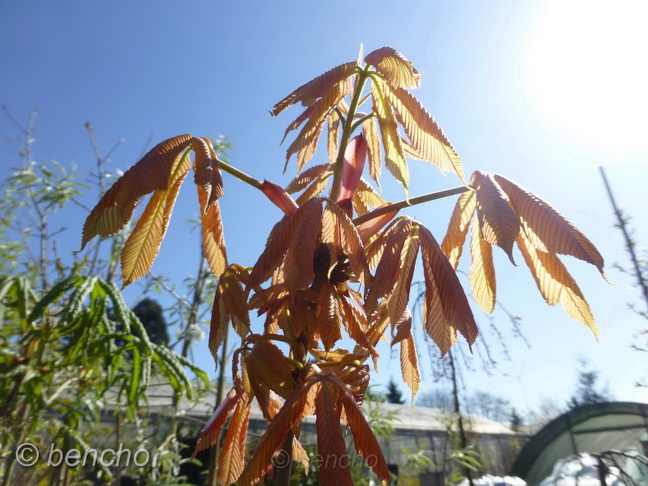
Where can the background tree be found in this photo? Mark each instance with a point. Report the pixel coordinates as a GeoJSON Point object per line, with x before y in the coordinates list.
{"type": "Point", "coordinates": [588, 391]}
{"type": "Point", "coordinates": [150, 313]}
{"type": "Point", "coordinates": [394, 395]}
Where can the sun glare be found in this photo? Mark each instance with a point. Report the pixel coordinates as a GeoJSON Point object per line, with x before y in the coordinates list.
{"type": "Point", "coordinates": [586, 75]}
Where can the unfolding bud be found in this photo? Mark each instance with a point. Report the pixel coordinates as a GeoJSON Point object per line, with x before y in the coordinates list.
{"type": "Point", "coordinates": [369, 228]}
{"type": "Point", "coordinates": [279, 197]}
{"type": "Point", "coordinates": [354, 162]}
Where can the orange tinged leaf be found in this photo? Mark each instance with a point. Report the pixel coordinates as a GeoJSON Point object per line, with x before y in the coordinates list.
{"type": "Point", "coordinates": [409, 365]}
{"type": "Point", "coordinates": [427, 138]}
{"type": "Point", "coordinates": [291, 414]}
{"type": "Point", "coordinates": [306, 142]}
{"type": "Point", "coordinates": [144, 242]}
{"type": "Point", "coordinates": [334, 469]}
{"type": "Point", "coordinates": [231, 460]}
{"type": "Point", "coordinates": [318, 87]}
{"type": "Point", "coordinates": [355, 322]}
{"type": "Point", "coordinates": [305, 115]}
{"type": "Point", "coordinates": [212, 234]}
{"type": "Point", "coordinates": [397, 70]}
{"type": "Point", "coordinates": [309, 175]}
{"type": "Point", "coordinates": [328, 316]}
{"type": "Point", "coordinates": [364, 439]}
{"type": "Point", "coordinates": [499, 224]}
{"type": "Point", "coordinates": [278, 377]}
{"type": "Point", "coordinates": [211, 431]}
{"type": "Point", "coordinates": [370, 132]}
{"type": "Point", "coordinates": [394, 155]}
{"type": "Point", "coordinates": [297, 265]}
{"type": "Point", "coordinates": [399, 296]}
{"type": "Point", "coordinates": [545, 228]}
{"type": "Point", "coordinates": [315, 189]}
{"type": "Point", "coordinates": [207, 172]}
{"type": "Point", "coordinates": [372, 227]}
{"type": "Point", "coordinates": [151, 173]}
{"type": "Point", "coordinates": [334, 122]}
{"type": "Point", "coordinates": [482, 272]}
{"type": "Point", "coordinates": [234, 297]}
{"type": "Point", "coordinates": [351, 244]}
{"type": "Point", "coordinates": [556, 284]}
{"type": "Point", "coordinates": [390, 262]}
{"type": "Point", "coordinates": [443, 281]}
{"type": "Point", "coordinates": [218, 324]}
{"type": "Point", "coordinates": [458, 227]}
{"type": "Point", "coordinates": [366, 198]}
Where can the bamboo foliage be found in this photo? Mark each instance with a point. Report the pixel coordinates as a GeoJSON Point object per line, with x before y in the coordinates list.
{"type": "Point", "coordinates": [322, 276]}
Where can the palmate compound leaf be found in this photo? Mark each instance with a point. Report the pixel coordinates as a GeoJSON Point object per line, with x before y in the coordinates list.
{"type": "Point", "coordinates": [498, 222]}
{"type": "Point", "coordinates": [545, 228]}
{"type": "Point", "coordinates": [232, 456]}
{"type": "Point", "coordinates": [305, 144]}
{"type": "Point", "coordinates": [397, 71]}
{"type": "Point", "coordinates": [446, 305]}
{"type": "Point", "coordinates": [427, 138]}
{"type": "Point", "coordinates": [455, 238]}
{"type": "Point", "coordinates": [318, 87]}
{"type": "Point", "coordinates": [151, 173]}
{"type": "Point", "coordinates": [555, 283]}
{"type": "Point", "coordinates": [144, 242]}
{"type": "Point", "coordinates": [291, 414]}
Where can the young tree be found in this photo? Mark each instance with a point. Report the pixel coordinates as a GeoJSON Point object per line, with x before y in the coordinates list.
{"type": "Point", "coordinates": [341, 261]}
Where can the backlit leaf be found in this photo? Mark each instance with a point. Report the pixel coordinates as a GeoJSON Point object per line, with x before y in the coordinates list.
{"type": "Point", "coordinates": [482, 272]}
{"type": "Point", "coordinates": [409, 365]}
{"type": "Point", "coordinates": [211, 431]}
{"type": "Point", "coordinates": [394, 155]}
{"type": "Point", "coordinates": [212, 234]}
{"type": "Point", "coordinates": [364, 439]}
{"type": "Point", "coordinates": [499, 224]}
{"type": "Point", "coordinates": [318, 87]}
{"type": "Point", "coordinates": [458, 227]}
{"type": "Point", "coordinates": [427, 138]}
{"type": "Point", "coordinates": [278, 377]}
{"type": "Point", "coordinates": [399, 296]}
{"type": "Point", "coordinates": [370, 131]}
{"type": "Point", "coordinates": [292, 413]}
{"type": "Point", "coordinates": [366, 198]}
{"type": "Point", "coordinates": [328, 318]}
{"type": "Point", "coordinates": [144, 242]}
{"type": "Point", "coordinates": [315, 189]}
{"type": "Point", "coordinates": [556, 284]}
{"type": "Point", "coordinates": [398, 71]}
{"type": "Point", "coordinates": [150, 173]}
{"type": "Point", "coordinates": [545, 228]}
{"type": "Point", "coordinates": [231, 460]}
{"type": "Point", "coordinates": [309, 175]}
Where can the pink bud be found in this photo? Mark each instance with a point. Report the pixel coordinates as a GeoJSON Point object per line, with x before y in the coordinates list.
{"type": "Point", "coordinates": [279, 197]}
{"type": "Point", "coordinates": [354, 162]}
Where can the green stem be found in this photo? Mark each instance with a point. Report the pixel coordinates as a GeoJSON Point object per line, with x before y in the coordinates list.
{"type": "Point", "coordinates": [346, 134]}
{"type": "Point", "coordinates": [397, 206]}
{"type": "Point", "coordinates": [241, 175]}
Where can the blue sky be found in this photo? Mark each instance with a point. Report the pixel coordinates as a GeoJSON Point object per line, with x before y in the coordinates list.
{"type": "Point", "coordinates": [541, 92]}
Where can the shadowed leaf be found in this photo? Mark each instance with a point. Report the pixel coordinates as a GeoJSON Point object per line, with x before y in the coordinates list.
{"type": "Point", "coordinates": [212, 234]}
{"type": "Point", "coordinates": [207, 172]}
{"type": "Point", "coordinates": [211, 431]}
{"type": "Point", "coordinates": [370, 131]}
